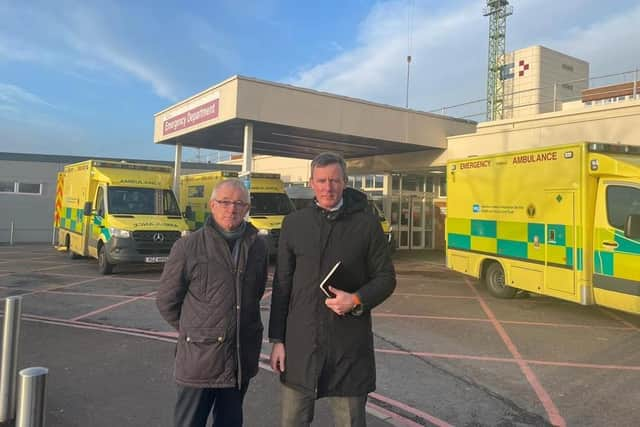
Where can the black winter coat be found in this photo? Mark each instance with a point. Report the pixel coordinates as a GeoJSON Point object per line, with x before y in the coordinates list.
{"type": "Point", "coordinates": [327, 354]}
{"type": "Point", "coordinates": [215, 307]}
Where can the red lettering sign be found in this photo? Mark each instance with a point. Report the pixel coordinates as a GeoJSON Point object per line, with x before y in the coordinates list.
{"type": "Point", "coordinates": [192, 117]}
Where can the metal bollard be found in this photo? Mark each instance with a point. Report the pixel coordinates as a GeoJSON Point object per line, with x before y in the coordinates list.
{"type": "Point", "coordinates": [31, 404]}
{"type": "Point", "coordinates": [11, 234]}
{"type": "Point", "coordinates": [8, 368]}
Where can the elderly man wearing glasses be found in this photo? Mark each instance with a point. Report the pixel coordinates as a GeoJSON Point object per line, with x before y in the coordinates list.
{"type": "Point", "coordinates": [210, 291]}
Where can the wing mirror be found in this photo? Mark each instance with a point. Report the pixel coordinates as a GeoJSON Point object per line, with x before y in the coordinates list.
{"type": "Point", "coordinates": [87, 209]}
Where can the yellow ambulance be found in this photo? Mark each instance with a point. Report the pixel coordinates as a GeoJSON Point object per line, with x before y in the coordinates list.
{"type": "Point", "coordinates": [303, 197]}
{"type": "Point", "coordinates": [117, 212]}
{"type": "Point", "coordinates": [387, 229]}
{"type": "Point", "coordinates": [562, 221]}
{"type": "Point", "coordinates": [269, 201]}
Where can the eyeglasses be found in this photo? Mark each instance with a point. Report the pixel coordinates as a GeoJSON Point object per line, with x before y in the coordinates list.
{"type": "Point", "coordinates": [229, 203]}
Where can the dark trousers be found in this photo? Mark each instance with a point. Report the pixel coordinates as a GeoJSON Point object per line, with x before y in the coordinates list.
{"type": "Point", "coordinates": [194, 405]}
{"type": "Point", "coordinates": [298, 409]}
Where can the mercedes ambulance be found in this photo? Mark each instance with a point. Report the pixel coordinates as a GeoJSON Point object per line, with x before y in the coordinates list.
{"type": "Point", "coordinates": [562, 221]}
{"type": "Point", "coordinates": [117, 212]}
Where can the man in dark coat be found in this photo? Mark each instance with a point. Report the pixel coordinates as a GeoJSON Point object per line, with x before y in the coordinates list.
{"type": "Point", "coordinates": [210, 292]}
{"type": "Point", "coordinates": [323, 347]}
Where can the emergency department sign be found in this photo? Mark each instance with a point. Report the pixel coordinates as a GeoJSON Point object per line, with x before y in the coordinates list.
{"type": "Point", "coordinates": [208, 110]}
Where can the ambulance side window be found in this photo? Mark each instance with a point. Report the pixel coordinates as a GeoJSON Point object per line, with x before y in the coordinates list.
{"type": "Point", "coordinates": [622, 201]}
{"type": "Point", "coordinates": [100, 202]}
{"type": "Point", "coordinates": [196, 191]}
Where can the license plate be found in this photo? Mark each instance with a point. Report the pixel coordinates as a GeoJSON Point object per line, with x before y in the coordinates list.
{"type": "Point", "coordinates": [155, 259]}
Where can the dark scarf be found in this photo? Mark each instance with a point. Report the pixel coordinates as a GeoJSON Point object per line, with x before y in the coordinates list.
{"type": "Point", "coordinates": [231, 236]}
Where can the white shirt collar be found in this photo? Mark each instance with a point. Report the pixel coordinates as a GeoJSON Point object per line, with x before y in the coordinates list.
{"type": "Point", "coordinates": [335, 208]}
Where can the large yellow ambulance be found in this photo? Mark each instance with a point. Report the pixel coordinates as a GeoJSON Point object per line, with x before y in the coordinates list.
{"type": "Point", "coordinates": [562, 221]}
{"type": "Point", "coordinates": [117, 212]}
{"type": "Point", "coordinates": [269, 201]}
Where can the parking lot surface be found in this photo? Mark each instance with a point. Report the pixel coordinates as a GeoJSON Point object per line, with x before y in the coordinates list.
{"type": "Point", "coordinates": [448, 354]}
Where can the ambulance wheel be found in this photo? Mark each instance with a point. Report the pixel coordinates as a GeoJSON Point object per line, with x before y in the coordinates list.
{"type": "Point", "coordinates": [494, 278]}
{"type": "Point", "coordinates": [104, 266]}
{"type": "Point", "coordinates": [70, 253]}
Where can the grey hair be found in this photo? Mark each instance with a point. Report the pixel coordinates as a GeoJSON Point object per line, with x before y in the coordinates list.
{"type": "Point", "coordinates": [329, 158]}
{"type": "Point", "coordinates": [233, 183]}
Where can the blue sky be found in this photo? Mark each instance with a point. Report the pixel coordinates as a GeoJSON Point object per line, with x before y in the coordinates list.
{"type": "Point", "coordinates": [86, 78]}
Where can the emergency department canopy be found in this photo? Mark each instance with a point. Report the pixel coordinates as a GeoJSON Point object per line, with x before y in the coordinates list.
{"type": "Point", "coordinates": [253, 116]}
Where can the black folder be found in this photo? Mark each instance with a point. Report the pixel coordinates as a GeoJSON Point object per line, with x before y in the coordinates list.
{"type": "Point", "coordinates": [332, 279]}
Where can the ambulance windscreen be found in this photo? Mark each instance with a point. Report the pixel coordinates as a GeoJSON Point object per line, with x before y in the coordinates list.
{"type": "Point", "coordinates": [142, 201]}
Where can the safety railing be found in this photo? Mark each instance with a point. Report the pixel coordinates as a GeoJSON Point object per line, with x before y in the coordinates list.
{"type": "Point", "coordinates": [596, 90]}
{"type": "Point", "coordinates": [12, 232]}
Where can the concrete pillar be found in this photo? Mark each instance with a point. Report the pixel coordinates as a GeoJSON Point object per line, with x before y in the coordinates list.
{"type": "Point", "coordinates": [247, 153]}
{"type": "Point", "coordinates": [177, 170]}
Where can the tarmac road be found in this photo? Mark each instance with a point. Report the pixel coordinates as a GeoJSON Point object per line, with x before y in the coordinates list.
{"type": "Point", "coordinates": [447, 352]}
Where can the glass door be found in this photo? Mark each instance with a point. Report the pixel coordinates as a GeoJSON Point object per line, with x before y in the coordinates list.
{"type": "Point", "coordinates": [403, 229]}
{"type": "Point", "coordinates": [412, 212]}
{"type": "Point", "coordinates": [394, 217]}
{"type": "Point", "coordinates": [417, 225]}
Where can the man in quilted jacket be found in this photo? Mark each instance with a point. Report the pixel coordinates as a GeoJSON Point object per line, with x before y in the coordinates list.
{"type": "Point", "coordinates": [210, 292]}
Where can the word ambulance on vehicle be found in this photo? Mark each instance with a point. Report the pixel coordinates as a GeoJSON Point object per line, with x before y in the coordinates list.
{"type": "Point", "coordinates": [269, 201]}
{"type": "Point", "coordinates": [562, 221]}
{"type": "Point", "coordinates": [117, 212]}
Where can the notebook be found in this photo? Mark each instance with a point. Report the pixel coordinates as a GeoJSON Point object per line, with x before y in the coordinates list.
{"type": "Point", "coordinates": [331, 279]}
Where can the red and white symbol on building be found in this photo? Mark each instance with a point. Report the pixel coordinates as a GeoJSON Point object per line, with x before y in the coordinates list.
{"type": "Point", "coordinates": [522, 67]}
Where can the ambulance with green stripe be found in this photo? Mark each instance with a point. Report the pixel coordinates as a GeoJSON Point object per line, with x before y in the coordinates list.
{"type": "Point", "coordinates": [562, 221]}
{"type": "Point", "coordinates": [269, 201]}
{"type": "Point", "coordinates": [118, 212]}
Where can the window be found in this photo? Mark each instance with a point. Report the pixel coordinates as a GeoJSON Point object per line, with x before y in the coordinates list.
{"type": "Point", "coordinates": [196, 191]}
{"type": "Point", "coordinates": [169, 203]}
{"type": "Point", "coordinates": [369, 181]}
{"type": "Point", "coordinates": [567, 67]}
{"type": "Point", "coordinates": [379, 181]}
{"type": "Point", "coordinates": [413, 183]}
{"type": "Point", "coordinates": [141, 201]}
{"type": "Point", "coordinates": [395, 182]}
{"type": "Point", "coordinates": [443, 187]}
{"type": "Point", "coordinates": [100, 202]}
{"type": "Point", "coordinates": [622, 201]}
{"type": "Point", "coordinates": [270, 204]}
{"type": "Point", "coordinates": [28, 188]}
{"type": "Point", "coordinates": [429, 184]}
{"type": "Point", "coordinates": [7, 187]}
{"type": "Point", "coordinates": [20, 187]}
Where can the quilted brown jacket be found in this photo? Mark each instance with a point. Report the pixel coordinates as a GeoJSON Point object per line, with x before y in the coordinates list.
{"type": "Point", "coordinates": [215, 306]}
